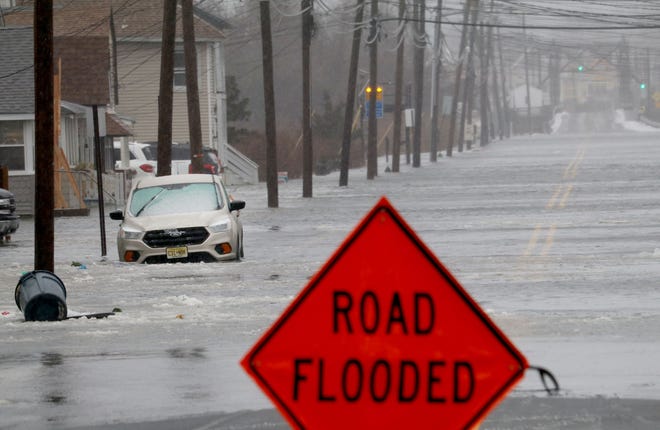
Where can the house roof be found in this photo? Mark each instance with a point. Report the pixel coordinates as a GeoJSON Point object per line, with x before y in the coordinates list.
{"type": "Point", "coordinates": [86, 58]}
{"type": "Point", "coordinates": [135, 20]}
{"type": "Point", "coordinates": [115, 127]}
{"type": "Point", "coordinates": [16, 71]}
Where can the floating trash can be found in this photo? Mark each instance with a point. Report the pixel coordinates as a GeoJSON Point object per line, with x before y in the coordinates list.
{"type": "Point", "coordinates": [41, 296]}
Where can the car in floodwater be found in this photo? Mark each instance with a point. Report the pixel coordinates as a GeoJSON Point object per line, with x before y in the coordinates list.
{"type": "Point", "coordinates": [179, 218]}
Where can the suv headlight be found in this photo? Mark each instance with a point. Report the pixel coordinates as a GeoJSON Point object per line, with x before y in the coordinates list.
{"type": "Point", "coordinates": [128, 233]}
{"type": "Point", "coordinates": [219, 226]}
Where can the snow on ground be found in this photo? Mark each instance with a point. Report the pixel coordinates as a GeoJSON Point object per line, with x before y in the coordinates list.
{"type": "Point", "coordinates": [557, 121]}
{"type": "Point", "coordinates": [620, 118]}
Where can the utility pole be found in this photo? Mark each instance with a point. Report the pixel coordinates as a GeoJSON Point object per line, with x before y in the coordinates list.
{"type": "Point", "coordinates": [115, 75]}
{"type": "Point", "coordinates": [44, 230]}
{"type": "Point", "coordinates": [192, 89]}
{"type": "Point", "coordinates": [457, 84]}
{"type": "Point", "coordinates": [470, 77]}
{"type": "Point", "coordinates": [350, 96]}
{"type": "Point", "coordinates": [647, 90]}
{"type": "Point", "coordinates": [398, 91]}
{"type": "Point", "coordinates": [484, 53]}
{"type": "Point", "coordinates": [435, 83]}
{"type": "Point", "coordinates": [420, 44]}
{"type": "Point", "coordinates": [372, 142]}
{"type": "Point", "coordinates": [553, 75]}
{"type": "Point", "coordinates": [625, 74]}
{"type": "Point", "coordinates": [505, 105]}
{"type": "Point", "coordinates": [308, 158]}
{"type": "Point", "coordinates": [166, 95]}
{"type": "Point", "coordinates": [529, 100]}
{"type": "Point", "coordinates": [269, 102]}
{"type": "Point", "coordinates": [496, 91]}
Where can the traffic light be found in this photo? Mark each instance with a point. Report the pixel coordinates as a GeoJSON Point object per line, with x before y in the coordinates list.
{"type": "Point", "coordinates": [379, 91]}
{"type": "Point", "coordinates": [580, 68]}
{"type": "Point", "coordinates": [642, 85]}
{"type": "Point", "coordinates": [379, 100]}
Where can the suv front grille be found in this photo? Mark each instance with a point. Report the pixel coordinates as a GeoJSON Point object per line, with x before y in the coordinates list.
{"type": "Point", "coordinates": [175, 237]}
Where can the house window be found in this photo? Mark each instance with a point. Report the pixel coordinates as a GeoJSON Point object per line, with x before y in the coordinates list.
{"type": "Point", "coordinates": [12, 145]}
{"type": "Point", "coordinates": [179, 69]}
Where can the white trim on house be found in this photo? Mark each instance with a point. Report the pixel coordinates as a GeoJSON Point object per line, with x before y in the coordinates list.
{"type": "Point", "coordinates": [17, 117]}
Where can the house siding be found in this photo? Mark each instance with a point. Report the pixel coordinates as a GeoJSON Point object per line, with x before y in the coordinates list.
{"type": "Point", "coordinates": [138, 66]}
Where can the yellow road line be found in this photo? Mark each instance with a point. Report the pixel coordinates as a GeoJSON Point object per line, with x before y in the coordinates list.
{"type": "Point", "coordinates": [532, 241]}
{"type": "Point", "coordinates": [549, 240]}
{"type": "Point", "coordinates": [562, 203]}
{"type": "Point", "coordinates": [551, 202]}
{"type": "Point", "coordinates": [571, 170]}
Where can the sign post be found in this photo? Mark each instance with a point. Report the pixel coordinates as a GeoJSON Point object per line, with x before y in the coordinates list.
{"type": "Point", "coordinates": [383, 336]}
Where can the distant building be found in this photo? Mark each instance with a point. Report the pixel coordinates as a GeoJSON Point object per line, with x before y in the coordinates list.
{"type": "Point", "coordinates": [541, 110]}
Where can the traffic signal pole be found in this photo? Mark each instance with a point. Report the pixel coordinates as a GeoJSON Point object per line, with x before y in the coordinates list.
{"type": "Point", "coordinates": [372, 142]}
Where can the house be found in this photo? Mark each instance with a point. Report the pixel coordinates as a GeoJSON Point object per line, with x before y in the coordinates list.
{"type": "Point", "coordinates": [112, 49]}
{"type": "Point", "coordinates": [17, 136]}
{"type": "Point", "coordinates": [593, 84]}
{"type": "Point", "coordinates": [540, 110]}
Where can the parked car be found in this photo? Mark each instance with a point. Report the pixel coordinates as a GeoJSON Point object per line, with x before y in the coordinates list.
{"type": "Point", "coordinates": [181, 158]}
{"type": "Point", "coordinates": [141, 160]}
{"type": "Point", "coordinates": [179, 218]}
{"type": "Point", "coordinates": [9, 221]}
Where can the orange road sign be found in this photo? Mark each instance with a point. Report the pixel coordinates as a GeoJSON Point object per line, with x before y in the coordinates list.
{"type": "Point", "coordinates": [384, 337]}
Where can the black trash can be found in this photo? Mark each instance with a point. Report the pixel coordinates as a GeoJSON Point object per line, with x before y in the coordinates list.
{"type": "Point", "coordinates": [41, 296]}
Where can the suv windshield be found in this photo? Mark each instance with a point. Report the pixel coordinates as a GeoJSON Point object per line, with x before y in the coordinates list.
{"type": "Point", "coordinates": [175, 199]}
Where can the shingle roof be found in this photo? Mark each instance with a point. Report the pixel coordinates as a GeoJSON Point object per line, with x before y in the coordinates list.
{"type": "Point", "coordinates": [16, 71]}
{"type": "Point", "coordinates": [134, 19]}
{"type": "Point", "coordinates": [115, 127]}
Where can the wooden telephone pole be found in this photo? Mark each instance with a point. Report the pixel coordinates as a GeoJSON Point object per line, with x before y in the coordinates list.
{"type": "Point", "coordinates": [44, 132]}
{"type": "Point", "coordinates": [308, 155]}
{"type": "Point", "coordinates": [269, 102]}
{"type": "Point", "coordinates": [372, 142]}
{"type": "Point", "coordinates": [166, 96]}
{"type": "Point", "coordinates": [350, 96]}
{"type": "Point", "coordinates": [192, 88]}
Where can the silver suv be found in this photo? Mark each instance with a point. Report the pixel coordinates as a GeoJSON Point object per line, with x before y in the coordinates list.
{"type": "Point", "coordinates": [179, 218]}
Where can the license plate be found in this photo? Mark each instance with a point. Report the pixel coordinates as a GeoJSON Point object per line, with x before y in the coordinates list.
{"type": "Point", "coordinates": [177, 252]}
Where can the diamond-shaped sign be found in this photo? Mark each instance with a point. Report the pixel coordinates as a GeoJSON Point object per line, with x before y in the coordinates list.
{"type": "Point", "coordinates": [384, 337]}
